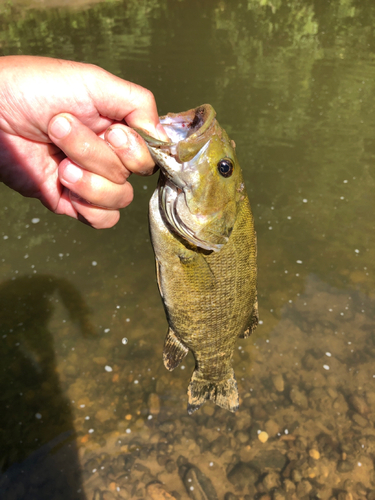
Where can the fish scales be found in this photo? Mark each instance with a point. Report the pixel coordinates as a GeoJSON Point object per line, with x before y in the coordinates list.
{"type": "Point", "coordinates": [197, 295]}
{"type": "Point", "coordinates": [204, 241]}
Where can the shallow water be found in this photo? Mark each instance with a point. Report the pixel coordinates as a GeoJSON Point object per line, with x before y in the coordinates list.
{"type": "Point", "coordinates": [89, 410]}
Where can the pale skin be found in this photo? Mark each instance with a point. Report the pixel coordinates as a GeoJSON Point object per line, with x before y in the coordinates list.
{"type": "Point", "coordinates": [66, 136]}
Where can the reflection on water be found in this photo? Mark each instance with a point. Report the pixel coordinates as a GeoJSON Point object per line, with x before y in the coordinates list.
{"type": "Point", "coordinates": [293, 84]}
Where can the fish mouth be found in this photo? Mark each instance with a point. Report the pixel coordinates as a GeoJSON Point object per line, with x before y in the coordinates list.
{"type": "Point", "coordinates": [189, 133]}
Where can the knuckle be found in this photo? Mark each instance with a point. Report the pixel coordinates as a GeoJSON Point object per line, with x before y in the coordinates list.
{"type": "Point", "coordinates": [120, 175]}
{"type": "Point", "coordinates": [148, 97]}
{"type": "Point", "coordinates": [85, 149]}
{"type": "Point", "coordinates": [105, 219]}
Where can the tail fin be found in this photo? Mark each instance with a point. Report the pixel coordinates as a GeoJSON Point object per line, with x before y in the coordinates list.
{"type": "Point", "coordinates": [224, 393]}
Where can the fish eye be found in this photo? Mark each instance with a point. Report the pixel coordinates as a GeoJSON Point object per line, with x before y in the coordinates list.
{"type": "Point", "coordinates": [225, 167]}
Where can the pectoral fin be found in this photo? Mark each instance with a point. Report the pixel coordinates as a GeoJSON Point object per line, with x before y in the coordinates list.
{"type": "Point", "coordinates": [157, 263]}
{"type": "Point", "coordinates": [174, 351]}
{"type": "Point", "coordinates": [252, 324]}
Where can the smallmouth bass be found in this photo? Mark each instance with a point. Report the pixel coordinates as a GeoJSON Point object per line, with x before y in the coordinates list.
{"type": "Point", "coordinates": [204, 241]}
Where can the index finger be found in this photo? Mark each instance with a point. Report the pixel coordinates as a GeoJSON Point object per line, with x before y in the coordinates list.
{"type": "Point", "coordinates": [121, 100]}
{"type": "Point", "coordinates": [86, 149]}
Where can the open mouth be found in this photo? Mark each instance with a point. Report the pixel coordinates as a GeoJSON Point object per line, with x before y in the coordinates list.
{"type": "Point", "coordinates": [181, 126]}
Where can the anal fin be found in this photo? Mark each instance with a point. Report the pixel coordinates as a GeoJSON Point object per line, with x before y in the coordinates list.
{"type": "Point", "coordinates": [174, 351]}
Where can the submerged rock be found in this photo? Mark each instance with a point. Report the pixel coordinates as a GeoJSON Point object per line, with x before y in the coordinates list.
{"type": "Point", "coordinates": [153, 404]}
{"type": "Point", "coordinates": [242, 475]}
{"type": "Point", "coordinates": [298, 398]}
{"type": "Point", "coordinates": [268, 459]}
{"type": "Point", "coordinates": [197, 484]}
{"type": "Point", "coordinates": [156, 491]}
{"type": "Point", "coordinates": [97, 495]}
{"type": "Point", "coordinates": [278, 382]}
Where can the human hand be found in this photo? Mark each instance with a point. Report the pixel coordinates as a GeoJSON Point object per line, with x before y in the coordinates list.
{"type": "Point", "coordinates": [65, 136]}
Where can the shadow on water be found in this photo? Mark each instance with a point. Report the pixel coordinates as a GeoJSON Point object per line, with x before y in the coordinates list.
{"type": "Point", "coordinates": [38, 451]}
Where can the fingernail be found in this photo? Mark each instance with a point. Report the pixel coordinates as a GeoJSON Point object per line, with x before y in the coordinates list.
{"type": "Point", "coordinates": [117, 137]}
{"type": "Point", "coordinates": [60, 127]}
{"type": "Point", "coordinates": [72, 173]}
{"type": "Point", "coordinates": [161, 132]}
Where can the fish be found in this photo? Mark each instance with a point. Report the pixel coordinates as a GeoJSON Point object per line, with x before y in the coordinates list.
{"type": "Point", "coordinates": [203, 236]}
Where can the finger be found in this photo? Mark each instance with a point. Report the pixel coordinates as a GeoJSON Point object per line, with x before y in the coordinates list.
{"type": "Point", "coordinates": [64, 205]}
{"type": "Point", "coordinates": [98, 218]}
{"type": "Point", "coordinates": [85, 148]}
{"type": "Point", "coordinates": [131, 149]}
{"type": "Point", "coordinates": [121, 100]}
{"type": "Point", "coordinates": [97, 190]}
{"type": "Point", "coordinates": [73, 206]}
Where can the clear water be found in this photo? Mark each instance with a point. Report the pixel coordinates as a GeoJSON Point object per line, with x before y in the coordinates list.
{"type": "Point", "coordinates": [88, 410]}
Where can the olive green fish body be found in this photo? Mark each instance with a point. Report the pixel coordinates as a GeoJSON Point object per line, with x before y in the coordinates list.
{"type": "Point", "coordinates": [206, 265]}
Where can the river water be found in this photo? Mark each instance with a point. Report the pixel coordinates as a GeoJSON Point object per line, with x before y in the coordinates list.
{"type": "Point", "coordinates": [88, 410]}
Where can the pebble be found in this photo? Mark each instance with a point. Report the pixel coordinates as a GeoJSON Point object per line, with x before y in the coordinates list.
{"type": "Point", "coordinates": [230, 496]}
{"type": "Point", "coordinates": [278, 382]}
{"type": "Point", "coordinates": [263, 437]}
{"type": "Point", "coordinates": [345, 466]}
{"type": "Point", "coordinates": [359, 404]}
{"type": "Point", "coordinates": [198, 485]}
{"type": "Point", "coordinates": [104, 495]}
{"type": "Point", "coordinates": [156, 491]}
{"type": "Point", "coordinates": [170, 466]}
{"type": "Point", "coordinates": [314, 453]}
{"type": "Point", "coordinates": [100, 360]}
{"type": "Point", "coordinates": [103, 415]}
{"type": "Point", "coordinates": [208, 410]}
{"type": "Point", "coordinates": [153, 404]}
{"type": "Point", "coordinates": [272, 428]}
{"type": "Point", "coordinates": [303, 488]}
{"type": "Point", "coordinates": [358, 419]}
{"type": "Point", "coordinates": [70, 371]}
{"type": "Point", "coordinates": [139, 423]}
{"type": "Point", "coordinates": [370, 396]}
{"type": "Point", "coordinates": [289, 486]}
{"type": "Point", "coordinates": [344, 495]}
{"type": "Point", "coordinates": [361, 489]}
{"type": "Point", "coordinates": [97, 495]}
{"type": "Point", "coordinates": [242, 437]}
{"type": "Point", "coordinates": [298, 398]}
{"type": "Point", "coordinates": [268, 459]}
{"type": "Point", "coordinates": [271, 480]}
{"type": "Point", "coordinates": [219, 445]}
{"type": "Point", "coordinates": [278, 495]}
{"type": "Point", "coordinates": [241, 475]}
